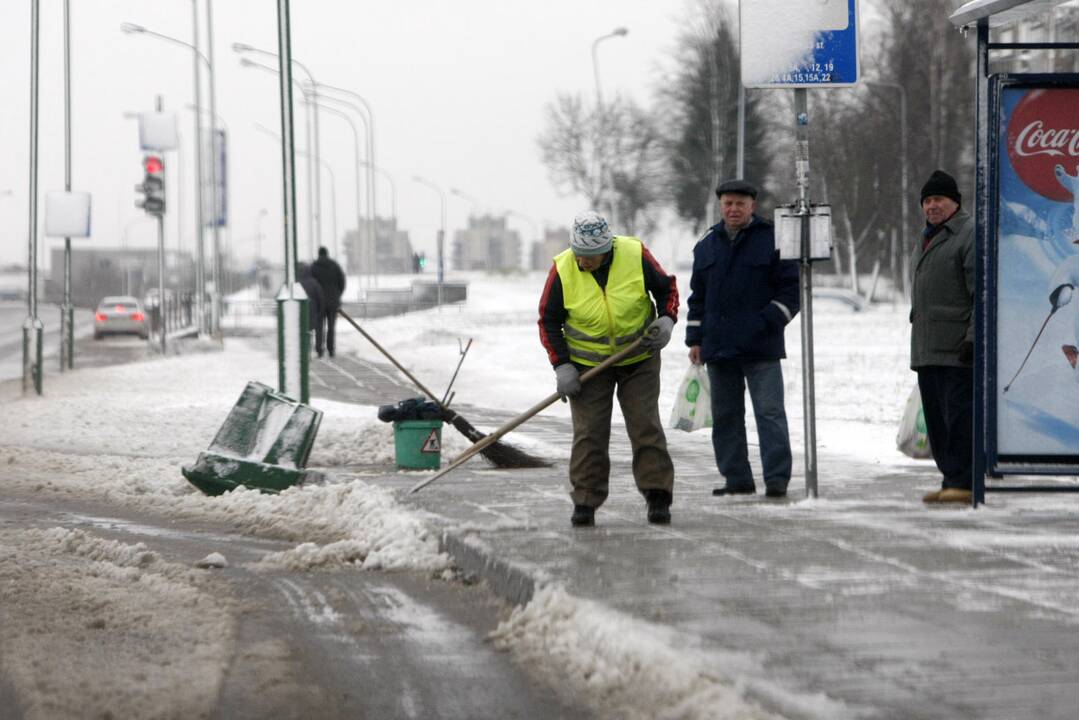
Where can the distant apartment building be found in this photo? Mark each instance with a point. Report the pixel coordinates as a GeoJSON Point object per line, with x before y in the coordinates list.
{"type": "Point", "coordinates": [543, 251]}
{"type": "Point", "coordinates": [487, 244]}
{"type": "Point", "coordinates": [392, 251]}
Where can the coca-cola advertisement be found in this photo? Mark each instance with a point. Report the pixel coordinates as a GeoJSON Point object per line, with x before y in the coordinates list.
{"type": "Point", "coordinates": [1037, 332]}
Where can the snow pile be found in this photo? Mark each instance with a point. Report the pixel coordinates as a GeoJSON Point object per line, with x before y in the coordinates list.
{"type": "Point", "coordinates": [67, 615]}
{"type": "Point", "coordinates": [370, 528]}
{"type": "Point", "coordinates": [632, 669]}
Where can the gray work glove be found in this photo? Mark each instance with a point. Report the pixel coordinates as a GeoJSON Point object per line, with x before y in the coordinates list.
{"type": "Point", "coordinates": [658, 334]}
{"type": "Point", "coordinates": [568, 379]}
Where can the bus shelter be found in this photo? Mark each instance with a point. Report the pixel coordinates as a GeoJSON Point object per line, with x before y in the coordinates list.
{"type": "Point", "coordinates": [1026, 406]}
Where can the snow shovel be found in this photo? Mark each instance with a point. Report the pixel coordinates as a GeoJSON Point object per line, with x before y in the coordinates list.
{"type": "Point", "coordinates": [501, 454]}
{"type": "Point", "coordinates": [531, 412]}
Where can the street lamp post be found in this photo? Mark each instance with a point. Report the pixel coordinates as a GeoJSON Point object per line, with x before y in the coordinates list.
{"type": "Point", "coordinates": [293, 340]}
{"type": "Point", "coordinates": [200, 269]}
{"type": "Point", "coordinates": [33, 329]}
{"type": "Point", "coordinates": [600, 159]}
{"type": "Point", "coordinates": [441, 231]}
{"type": "Point", "coordinates": [356, 160]}
{"type": "Point", "coordinates": [470, 199]}
{"type": "Point", "coordinates": [67, 311]}
{"type": "Point", "coordinates": [249, 63]}
{"type": "Point", "coordinates": [904, 175]}
{"type": "Point", "coordinates": [242, 48]}
{"type": "Point", "coordinates": [363, 110]}
{"type": "Point", "coordinates": [333, 184]}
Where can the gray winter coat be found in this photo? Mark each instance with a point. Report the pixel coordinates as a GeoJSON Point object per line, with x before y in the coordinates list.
{"type": "Point", "coordinates": [942, 299]}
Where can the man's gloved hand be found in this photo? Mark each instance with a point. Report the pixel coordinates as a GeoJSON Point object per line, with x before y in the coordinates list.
{"type": "Point", "coordinates": [1061, 296]}
{"type": "Point", "coordinates": [568, 380]}
{"type": "Point", "coordinates": [966, 352]}
{"type": "Point", "coordinates": [658, 334]}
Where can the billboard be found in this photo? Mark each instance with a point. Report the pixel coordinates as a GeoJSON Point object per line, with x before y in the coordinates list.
{"type": "Point", "coordinates": [1034, 238]}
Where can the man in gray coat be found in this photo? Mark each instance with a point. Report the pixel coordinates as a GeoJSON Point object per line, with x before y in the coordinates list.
{"type": "Point", "coordinates": [942, 334]}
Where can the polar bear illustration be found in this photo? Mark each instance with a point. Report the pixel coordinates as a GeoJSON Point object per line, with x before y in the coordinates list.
{"type": "Point", "coordinates": [1071, 184]}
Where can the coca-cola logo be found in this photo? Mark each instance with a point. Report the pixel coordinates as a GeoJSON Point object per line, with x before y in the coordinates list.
{"type": "Point", "coordinates": [1043, 142]}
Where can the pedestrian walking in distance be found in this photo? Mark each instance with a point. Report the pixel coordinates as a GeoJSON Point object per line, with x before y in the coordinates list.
{"type": "Point", "coordinates": [597, 300]}
{"type": "Point", "coordinates": [315, 302]}
{"type": "Point", "coordinates": [332, 281]}
{"type": "Point", "coordinates": [942, 334]}
{"type": "Point", "coordinates": [741, 298]}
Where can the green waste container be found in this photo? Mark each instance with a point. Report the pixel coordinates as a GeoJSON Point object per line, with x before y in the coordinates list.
{"type": "Point", "coordinates": [417, 444]}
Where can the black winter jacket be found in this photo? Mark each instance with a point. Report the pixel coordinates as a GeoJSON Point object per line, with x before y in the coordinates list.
{"type": "Point", "coordinates": [332, 279]}
{"type": "Point", "coordinates": [741, 295]}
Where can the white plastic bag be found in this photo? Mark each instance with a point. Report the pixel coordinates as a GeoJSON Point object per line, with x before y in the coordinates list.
{"type": "Point", "coordinates": [693, 406]}
{"type": "Point", "coordinates": [912, 439]}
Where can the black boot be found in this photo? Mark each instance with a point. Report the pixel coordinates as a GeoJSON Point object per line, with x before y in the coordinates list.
{"type": "Point", "coordinates": [583, 516]}
{"type": "Point", "coordinates": [659, 506]}
{"type": "Point", "coordinates": [723, 491]}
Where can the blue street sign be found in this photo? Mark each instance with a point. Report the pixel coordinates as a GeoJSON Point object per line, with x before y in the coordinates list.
{"type": "Point", "coordinates": [799, 44]}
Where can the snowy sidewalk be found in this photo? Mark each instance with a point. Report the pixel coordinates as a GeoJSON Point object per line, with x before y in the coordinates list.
{"type": "Point", "coordinates": [861, 603]}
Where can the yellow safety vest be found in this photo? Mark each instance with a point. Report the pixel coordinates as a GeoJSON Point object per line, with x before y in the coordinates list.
{"type": "Point", "coordinates": [603, 321]}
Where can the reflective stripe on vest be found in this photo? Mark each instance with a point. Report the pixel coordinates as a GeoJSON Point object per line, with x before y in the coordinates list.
{"type": "Point", "coordinates": [601, 322]}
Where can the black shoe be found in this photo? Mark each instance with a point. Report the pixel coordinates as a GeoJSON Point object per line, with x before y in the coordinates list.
{"type": "Point", "coordinates": [659, 506]}
{"type": "Point", "coordinates": [775, 493]}
{"type": "Point", "coordinates": [583, 516]}
{"type": "Point", "coordinates": [723, 491]}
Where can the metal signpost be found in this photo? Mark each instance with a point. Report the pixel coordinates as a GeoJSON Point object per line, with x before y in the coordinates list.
{"type": "Point", "coordinates": [1027, 224]}
{"type": "Point", "coordinates": [799, 46]}
{"type": "Point", "coordinates": [292, 337]}
{"type": "Point", "coordinates": [33, 329]}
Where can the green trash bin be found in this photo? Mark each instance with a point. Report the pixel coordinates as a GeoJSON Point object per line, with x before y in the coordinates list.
{"type": "Point", "coordinates": [417, 444]}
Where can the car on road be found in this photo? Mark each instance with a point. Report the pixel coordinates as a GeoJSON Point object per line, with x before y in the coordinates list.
{"type": "Point", "coordinates": [120, 315]}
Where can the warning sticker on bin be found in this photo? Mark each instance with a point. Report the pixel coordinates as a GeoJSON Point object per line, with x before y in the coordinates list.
{"type": "Point", "coordinates": [431, 444]}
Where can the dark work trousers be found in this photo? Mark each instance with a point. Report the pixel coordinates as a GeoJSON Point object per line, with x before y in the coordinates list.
{"type": "Point", "coordinates": [948, 404]}
{"type": "Point", "coordinates": [316, 326]}
{"type": "Point", "coordinates": [330, 316]}
{"type": "Point", "coordinates": [729, 379]}
{"type": "Point", "coordinates": [638, 396]}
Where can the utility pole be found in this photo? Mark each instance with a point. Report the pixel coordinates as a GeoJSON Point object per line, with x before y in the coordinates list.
{"type": "Point", "coordinates": [801, 164]}
{"type": "Point", "coordinates": [67, 311]}
{"type": "Point", "coordinates": [33, 328]}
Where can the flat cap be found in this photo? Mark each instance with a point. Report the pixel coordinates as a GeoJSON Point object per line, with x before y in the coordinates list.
{"type": "Point", "coordinates": [738, 187]}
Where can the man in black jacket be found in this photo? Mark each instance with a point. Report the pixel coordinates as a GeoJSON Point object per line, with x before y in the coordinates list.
{"type": "Point", "coordinates": [332, 280]}
{"type": "Point", "coordinates": [741, 298]}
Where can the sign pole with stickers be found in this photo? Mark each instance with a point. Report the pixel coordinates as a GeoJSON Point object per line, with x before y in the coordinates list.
{"type": "Point", "coordinates": [799, 46]}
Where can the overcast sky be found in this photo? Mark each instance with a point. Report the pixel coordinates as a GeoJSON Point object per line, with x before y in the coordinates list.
{"type": "Point", "coordinates": [457, 89]}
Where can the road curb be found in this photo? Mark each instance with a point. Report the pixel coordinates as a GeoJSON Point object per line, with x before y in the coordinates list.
{"type": "Point", "coordinates": [473, 556]}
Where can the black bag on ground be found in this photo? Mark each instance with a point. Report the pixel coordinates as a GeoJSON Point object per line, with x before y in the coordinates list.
{"type": "Point", "coordinates": [411, 409]}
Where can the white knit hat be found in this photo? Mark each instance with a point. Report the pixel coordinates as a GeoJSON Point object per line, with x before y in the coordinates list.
{"type": "Point", "coordinates": [591, 236]}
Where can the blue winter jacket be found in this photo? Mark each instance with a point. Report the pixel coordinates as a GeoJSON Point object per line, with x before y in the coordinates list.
{"type": "Point", "coordinates": [741, 295]}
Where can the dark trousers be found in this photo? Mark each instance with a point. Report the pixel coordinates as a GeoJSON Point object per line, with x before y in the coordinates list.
{"type": "Point", "coordinates": [948, 404]}
{"type": "Point", "coordinates": [329, 319]}
{"type": "Point", "coordinates": [729, 379]}
{"type": "Point", "coordinates": [638, 396]}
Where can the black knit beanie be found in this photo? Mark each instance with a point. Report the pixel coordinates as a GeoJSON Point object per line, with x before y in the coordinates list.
{"type": "Point", "coordinates": [943, 184]}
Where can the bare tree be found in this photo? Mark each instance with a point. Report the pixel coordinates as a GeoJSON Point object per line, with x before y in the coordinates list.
{"type": "Point", "coordinates": [612, 159]}
{"type": "Point", "coordinates": [699, 100]}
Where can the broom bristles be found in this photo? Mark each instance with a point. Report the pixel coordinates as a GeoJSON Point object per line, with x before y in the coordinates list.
{"type": "Point", "coordinates": [498, 452]}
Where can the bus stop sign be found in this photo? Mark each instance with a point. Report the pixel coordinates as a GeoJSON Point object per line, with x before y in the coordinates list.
{"type": "Point", "coordinates": [810, 43]}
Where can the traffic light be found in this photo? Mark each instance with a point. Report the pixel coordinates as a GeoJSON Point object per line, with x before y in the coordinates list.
{"type": "Point", "coordinates": [153, 186]}
{"type": "Point", "coordinates": [423, 260]}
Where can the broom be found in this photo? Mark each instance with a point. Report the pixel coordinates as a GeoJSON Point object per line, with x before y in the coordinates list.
{"type": "Point", "coordinates": [481, 446]}
{"type": "Point", "coordinates": [499, 453]}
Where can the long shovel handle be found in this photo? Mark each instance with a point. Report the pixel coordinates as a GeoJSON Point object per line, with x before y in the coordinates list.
{"type": "Point", "coordinates": [389, 357]}
{"type": "Point", "coordinates": [520, 419]}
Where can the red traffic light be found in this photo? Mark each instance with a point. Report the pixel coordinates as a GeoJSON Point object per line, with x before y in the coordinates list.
{"type": "Point", "coordinates": [153, 164]}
